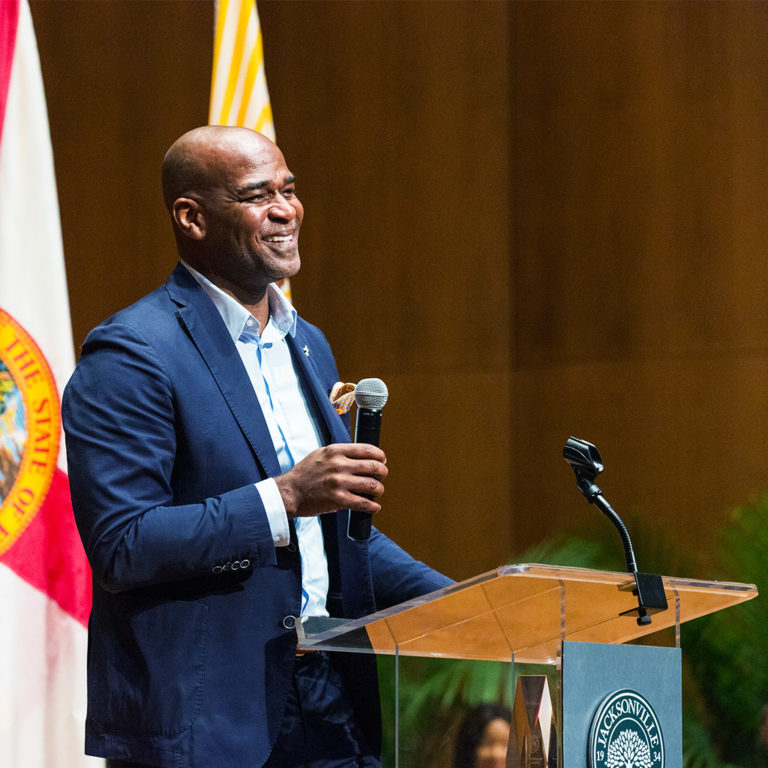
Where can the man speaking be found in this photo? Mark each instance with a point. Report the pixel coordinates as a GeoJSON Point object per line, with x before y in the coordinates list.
{"type": "Point", "coordinates": [207, 466]}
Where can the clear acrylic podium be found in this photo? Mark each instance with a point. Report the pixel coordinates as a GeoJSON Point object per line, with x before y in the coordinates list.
{"type": "Point", "coordinates": [521, 613]}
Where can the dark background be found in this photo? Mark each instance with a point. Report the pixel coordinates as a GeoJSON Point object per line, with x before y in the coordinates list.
{"type": "Point", "coordinates": [531, 219]}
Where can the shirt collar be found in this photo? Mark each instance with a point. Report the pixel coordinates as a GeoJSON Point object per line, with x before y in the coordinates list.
{"type": "Point", "coordinates": [235, 316]}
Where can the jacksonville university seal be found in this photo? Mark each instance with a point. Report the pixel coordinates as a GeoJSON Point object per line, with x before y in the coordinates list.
{"type": "Point", "coordinates": [625, 733]}
{"type": "Point", "coordinates": [30, 429]}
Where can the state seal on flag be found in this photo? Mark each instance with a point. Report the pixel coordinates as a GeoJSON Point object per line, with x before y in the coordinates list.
{"type": "Point", "coordinates": [30, 429]}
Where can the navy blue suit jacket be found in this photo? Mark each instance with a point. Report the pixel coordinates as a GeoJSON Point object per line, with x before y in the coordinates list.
{"type": "Point", "coordinates": [189, 660]}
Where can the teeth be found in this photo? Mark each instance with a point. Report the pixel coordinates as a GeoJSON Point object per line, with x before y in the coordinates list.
{"type": "Point", "coordinates": [276, 239]}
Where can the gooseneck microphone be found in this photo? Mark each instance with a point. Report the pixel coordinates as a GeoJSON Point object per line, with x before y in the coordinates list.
{"type": "Point", "coordinates": [587, 464]}
{"type": "Point", "coordinates": [370, 397]}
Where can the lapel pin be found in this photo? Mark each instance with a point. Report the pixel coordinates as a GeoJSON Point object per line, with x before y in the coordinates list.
{"type": "Point", "coordinates": [305, 348]}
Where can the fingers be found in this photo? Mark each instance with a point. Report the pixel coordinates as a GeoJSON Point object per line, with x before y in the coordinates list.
{"type": "Point", "coordinates": [335, 477]}
{"type": "Point", "coordinates": [355, 470]}
{"type": "Point", "coordinates": [356, 460]}
{"type": "Point", "coordinates": [362, 470]}
{"type": "Point", "coordinates": [357, 451]}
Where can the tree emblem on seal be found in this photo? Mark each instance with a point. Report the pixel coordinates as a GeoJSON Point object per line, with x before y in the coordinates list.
{"type": "Point", "coordinates": [625, 733]}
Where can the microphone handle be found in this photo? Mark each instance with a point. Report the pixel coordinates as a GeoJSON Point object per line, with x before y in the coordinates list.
{"type": "Point", "coordinates": [367, 430]}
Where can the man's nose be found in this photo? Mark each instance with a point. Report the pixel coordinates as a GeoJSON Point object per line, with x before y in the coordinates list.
{"type": "Point", "coordinates": [281, 208]}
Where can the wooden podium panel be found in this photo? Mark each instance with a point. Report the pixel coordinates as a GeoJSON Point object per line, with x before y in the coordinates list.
{"type": "Point", "coordinates": [522, 612]}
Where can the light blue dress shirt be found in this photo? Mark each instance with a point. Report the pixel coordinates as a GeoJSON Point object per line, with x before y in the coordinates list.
{"type": "Point", "coordinates": [267, 360]}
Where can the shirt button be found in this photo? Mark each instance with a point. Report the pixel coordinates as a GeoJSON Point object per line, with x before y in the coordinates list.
{"type": "Point", "coordinates": [289, 622]}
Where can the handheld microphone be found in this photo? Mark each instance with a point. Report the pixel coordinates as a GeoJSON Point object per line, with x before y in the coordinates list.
{"type": "Point", "coordinates": [370, 397]}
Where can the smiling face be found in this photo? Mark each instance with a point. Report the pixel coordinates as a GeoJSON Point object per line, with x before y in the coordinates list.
{"type": "Point", "coordinates": [239, 217]}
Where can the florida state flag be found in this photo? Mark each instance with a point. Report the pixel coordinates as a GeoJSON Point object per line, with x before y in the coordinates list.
{"type": "Point", "coordinates": [44, 578]}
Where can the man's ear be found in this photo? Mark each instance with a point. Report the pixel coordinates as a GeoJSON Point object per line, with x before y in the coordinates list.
{"type": "Point", "coordinates": [189, 217]}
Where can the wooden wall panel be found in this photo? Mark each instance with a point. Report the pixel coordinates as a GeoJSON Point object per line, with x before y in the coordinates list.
{"type": "Point", "coordinates": [640, 322]}
{"type": "Point", "coordinates": [531, 219]}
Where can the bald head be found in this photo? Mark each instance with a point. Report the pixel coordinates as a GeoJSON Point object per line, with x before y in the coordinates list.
{"type": "Point", "coordinates": [201, 158]}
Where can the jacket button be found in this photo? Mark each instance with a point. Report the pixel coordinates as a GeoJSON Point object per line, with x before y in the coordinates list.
{"type": "Point", "coordinates": [235, 565]}
{"type": "Point", "coordinates": [289, 622]}
{"type": "Point", "coordinates": [291, 547]}
{"type": "Point", "coordinates": [216, 569]}
{"type": "Point", "coordinates": [245, 563]}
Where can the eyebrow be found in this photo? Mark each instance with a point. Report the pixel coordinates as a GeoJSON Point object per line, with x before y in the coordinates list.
{"type": "Point", "coordinates": [257, 185]}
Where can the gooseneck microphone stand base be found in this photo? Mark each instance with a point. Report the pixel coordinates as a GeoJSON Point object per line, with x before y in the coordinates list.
{"type": "Point", "coordinates": [648, 587]}
{"type": "Point", "coordinates": [586, 462]}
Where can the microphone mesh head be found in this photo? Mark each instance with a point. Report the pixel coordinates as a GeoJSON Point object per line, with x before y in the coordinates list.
{"type": "Point", "coordinates": [371, 394]}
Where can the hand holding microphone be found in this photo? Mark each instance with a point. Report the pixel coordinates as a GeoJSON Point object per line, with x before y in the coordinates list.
{"type": "Point", "coordinates": [342, 475]}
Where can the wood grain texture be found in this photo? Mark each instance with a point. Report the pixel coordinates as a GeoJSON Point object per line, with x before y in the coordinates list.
{"type": "Point", "coordinates": [531, 219]}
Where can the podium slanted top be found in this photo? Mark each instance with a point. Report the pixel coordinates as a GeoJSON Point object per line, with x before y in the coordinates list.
{"type": "Point", "coordinates": [521, 611]}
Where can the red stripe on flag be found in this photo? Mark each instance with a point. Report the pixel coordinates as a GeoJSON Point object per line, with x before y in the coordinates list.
{"type": "Point", "coordinates": [9, 22]}
{"type": "Point", "coordinates": [49, 555]}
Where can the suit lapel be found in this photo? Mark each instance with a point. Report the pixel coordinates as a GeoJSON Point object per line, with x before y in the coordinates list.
{"type": "Point", "coordinates": [209, 334]}
{"type": "Point", "coordinates": [305, 362]}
